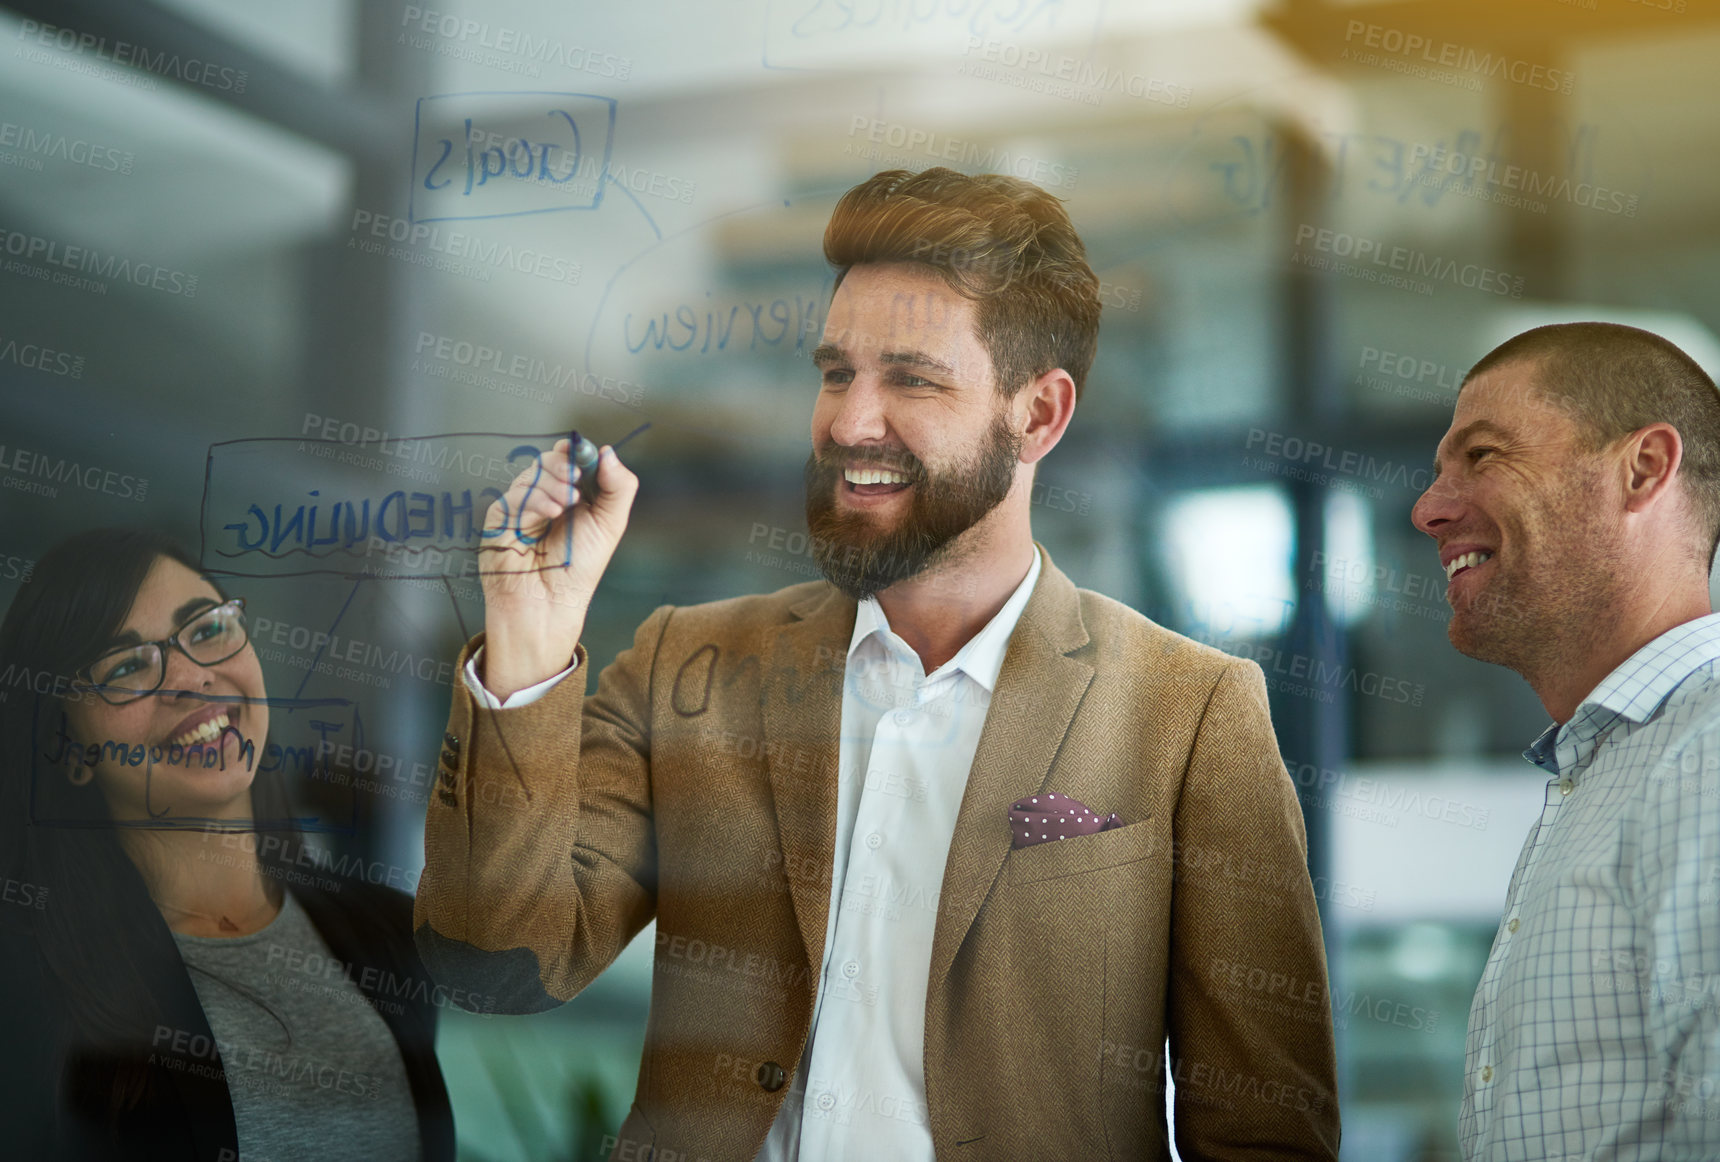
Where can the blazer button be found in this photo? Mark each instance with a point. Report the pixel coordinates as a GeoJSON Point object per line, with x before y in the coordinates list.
{"type": "Point", "coordinates": [771, 1076]}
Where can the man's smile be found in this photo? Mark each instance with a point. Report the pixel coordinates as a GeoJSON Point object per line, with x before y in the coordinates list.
{"type": "Point", "coordinates": [869, 481]}
{"type": "Point", "coordinates": [1463, 561]}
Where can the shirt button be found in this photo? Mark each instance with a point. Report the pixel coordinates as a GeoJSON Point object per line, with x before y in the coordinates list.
{"type": "Point", "coordinates": [1486, 1073]}
{"type": "Point", "coordinates": [904, 717]}
{"type": "Point", "coordinates": [851, 969]}
{"type": "Point", "coordinates": [1566, 786]}
{"type": "Point", "coordinates": [874, 841]}
{"type": "Point", "coordinates": [826, 1101]}
{"type": "Point", "coordinates": [1512, 926]}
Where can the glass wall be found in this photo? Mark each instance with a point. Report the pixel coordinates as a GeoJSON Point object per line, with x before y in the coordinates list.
{"type": "Point", "coordinates": [254, 252]}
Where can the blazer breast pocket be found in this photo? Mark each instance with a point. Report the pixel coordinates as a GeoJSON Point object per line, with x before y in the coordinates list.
{"type": "Point", "coordinates": [1082, 853]}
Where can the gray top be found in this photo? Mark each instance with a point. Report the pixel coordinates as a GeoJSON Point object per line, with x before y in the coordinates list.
{"type": "Point", "coordinates": [313, 1070]}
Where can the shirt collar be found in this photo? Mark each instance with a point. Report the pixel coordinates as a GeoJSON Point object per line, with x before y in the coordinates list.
{"type": "Point", "coordinates": [981, 658]}
{"type": "Point", "coordinates": [1638, 687]}
{"type": "Point", "coordinates": [1544, 751]}
{"type": "Point", "coordinates": [1645, 680]}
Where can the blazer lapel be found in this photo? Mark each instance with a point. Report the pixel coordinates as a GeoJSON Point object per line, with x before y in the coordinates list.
{"type": "Point", "coordinates": [802, 697]}
{"type": "Point", "coordinates": [1037, 692]}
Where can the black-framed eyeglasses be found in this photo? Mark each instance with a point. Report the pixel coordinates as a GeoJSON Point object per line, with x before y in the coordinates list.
{"type": "Point", "coordinates": [132, 672]}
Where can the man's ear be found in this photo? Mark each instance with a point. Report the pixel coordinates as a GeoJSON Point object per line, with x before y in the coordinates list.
{"type": "Point", "coordinates": [1043, 410]}
{"type": "Point", "coordinates": [1651, 458]}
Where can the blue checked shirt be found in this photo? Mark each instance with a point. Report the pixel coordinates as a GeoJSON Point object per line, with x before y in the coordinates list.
{"type": "Point", "coordinates": [1595, 1032]}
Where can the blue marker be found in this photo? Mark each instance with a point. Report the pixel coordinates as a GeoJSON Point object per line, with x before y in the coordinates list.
{"type": "Point", "coordinates": [584, 455]}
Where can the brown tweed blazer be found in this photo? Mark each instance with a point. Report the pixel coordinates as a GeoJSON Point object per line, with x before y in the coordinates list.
{"type": "Point", "coordinates": [697, 787]}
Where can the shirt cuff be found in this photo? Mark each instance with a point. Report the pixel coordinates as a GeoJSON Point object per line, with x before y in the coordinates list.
{"type": "Point", "coordinates": [523, 697]}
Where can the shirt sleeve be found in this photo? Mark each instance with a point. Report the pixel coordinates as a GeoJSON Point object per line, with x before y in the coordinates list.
{"type": "Point", "coordinates": [1678, 898]}
{"type": "Point", "coordinates": [523, 697]}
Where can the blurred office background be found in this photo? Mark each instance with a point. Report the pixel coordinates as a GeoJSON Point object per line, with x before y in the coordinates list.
{"type": "Point", "coordinates": [1310, 217]}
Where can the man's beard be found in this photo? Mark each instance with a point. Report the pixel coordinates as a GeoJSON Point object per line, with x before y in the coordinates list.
{"type": "Point", "coordinates": [861, 559]}
{"type": "Point", "coordinates": [1545, 615]}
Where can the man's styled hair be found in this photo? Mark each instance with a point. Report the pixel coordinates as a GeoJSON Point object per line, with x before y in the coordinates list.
{"type": "Point", "coordinates": [1003, 242]}
{"type": "Point", "coordinates": [1613, 380]}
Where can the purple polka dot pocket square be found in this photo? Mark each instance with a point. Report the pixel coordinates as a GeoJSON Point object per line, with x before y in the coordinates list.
{"type": "Point", "coordinates": [1042, 818]}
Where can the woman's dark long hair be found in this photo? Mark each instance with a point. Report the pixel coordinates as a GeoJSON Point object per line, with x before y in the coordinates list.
{"type": "Point", "coordinates": [100, 935]}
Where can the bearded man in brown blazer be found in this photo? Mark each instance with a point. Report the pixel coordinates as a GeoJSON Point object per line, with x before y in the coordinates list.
{"type": "Point", "coordinates": [942, 850]}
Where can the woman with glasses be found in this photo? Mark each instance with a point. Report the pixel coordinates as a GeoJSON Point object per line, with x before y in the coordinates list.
{"type": "Point", "coordinates": [172, 985]}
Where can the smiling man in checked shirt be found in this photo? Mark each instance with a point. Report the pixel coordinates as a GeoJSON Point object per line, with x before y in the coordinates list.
{"type": "Point", "coordinates": [1577, 507]}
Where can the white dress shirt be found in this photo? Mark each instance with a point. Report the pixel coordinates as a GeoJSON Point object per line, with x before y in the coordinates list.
{"type": "Point", "coordinates": [1595, 1032]}
{"type": "Point", "coordinates": [907, 742]}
